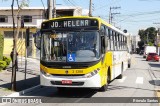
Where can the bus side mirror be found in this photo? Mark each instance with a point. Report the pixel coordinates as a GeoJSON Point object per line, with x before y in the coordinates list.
{"type": "Point", "coordinates": [37, 40]}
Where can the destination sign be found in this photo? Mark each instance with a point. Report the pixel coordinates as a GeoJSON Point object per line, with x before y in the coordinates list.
{"type": "Point", "coordinates": [69, 23]}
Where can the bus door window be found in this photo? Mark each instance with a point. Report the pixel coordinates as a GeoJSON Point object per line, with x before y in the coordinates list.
{"type": "Point", "coordinates": [102, 33]}
{"type": "Point", "coordinates": [46, 48]}
{"type": "Point", "coordinates": [102, 44]}
{"type": "Point", "coordinates": [107, 37]}
{"type": "Point", "coordinates": [72, 42]}
{"type": "Point", "coordinates": [58, 47]}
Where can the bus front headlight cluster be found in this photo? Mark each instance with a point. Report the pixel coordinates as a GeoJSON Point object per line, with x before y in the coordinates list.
{"type": "Point", "coordinates": [45, 73]}
{"type": "Point", "coordinates": [92, 73]}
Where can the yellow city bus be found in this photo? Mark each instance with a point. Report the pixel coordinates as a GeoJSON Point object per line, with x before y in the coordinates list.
{"type": "Point", "coordinates": [81, 52]}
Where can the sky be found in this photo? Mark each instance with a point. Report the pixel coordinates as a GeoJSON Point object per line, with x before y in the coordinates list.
{"type": "Point", "coordinates": [133, 14]}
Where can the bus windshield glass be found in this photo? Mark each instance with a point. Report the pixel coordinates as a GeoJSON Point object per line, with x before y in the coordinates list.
{"type": "Point", "coordinates": [80, 46]}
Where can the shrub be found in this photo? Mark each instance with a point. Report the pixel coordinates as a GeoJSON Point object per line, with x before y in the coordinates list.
{"type": "Point", "coordinates": [7, 59]}
{"type": "Point", "coordinates": [3, 65]}
{"type": "Point", "coordinates": [150, 43]}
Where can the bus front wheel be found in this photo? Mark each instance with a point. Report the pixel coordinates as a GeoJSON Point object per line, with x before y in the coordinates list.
{"type": "Point", "coordinates": [105, 87]}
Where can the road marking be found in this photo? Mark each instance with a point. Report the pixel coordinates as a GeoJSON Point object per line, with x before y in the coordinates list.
{"type": "Point", "coordinates": [122, 80]}
{"type": "Point", "coordinates": [139, 80]}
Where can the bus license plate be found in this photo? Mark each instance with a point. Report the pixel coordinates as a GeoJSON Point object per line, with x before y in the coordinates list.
{"type": "Point", "coordinates": [67, 82]}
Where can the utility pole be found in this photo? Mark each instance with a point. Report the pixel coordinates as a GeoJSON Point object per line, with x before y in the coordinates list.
{"type": "Point", "coordinates": [111, 14]}
{"type": "Point", "coordinates": [90, 8]}
{"type": "Point", "coordinates": [54, 8]}
{"type": "Point", "coordinates": [157, 38]}
{"type": "Point", "coordinates": [50, 5]}
{"type": "Point", "coordinates": [147, 37]}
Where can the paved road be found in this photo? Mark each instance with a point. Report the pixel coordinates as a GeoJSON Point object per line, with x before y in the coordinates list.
{"type": "Point", "coordinates": [140, 80]}
{"type": "Point", "coordinates": [32, 76]}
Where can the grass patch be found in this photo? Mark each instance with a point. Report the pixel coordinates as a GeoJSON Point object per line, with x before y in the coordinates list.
{"type": "Point", "coordinates": [7, 89]}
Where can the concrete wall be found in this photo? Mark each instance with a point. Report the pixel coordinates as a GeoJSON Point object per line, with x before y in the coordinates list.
{"type": "Point", "coordinates": [8, 42]}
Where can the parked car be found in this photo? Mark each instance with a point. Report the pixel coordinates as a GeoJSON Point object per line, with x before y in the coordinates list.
{"type": "Point", "coordinates": [149, 49]}
{"type": "Point", "coordinates": [152, 56]}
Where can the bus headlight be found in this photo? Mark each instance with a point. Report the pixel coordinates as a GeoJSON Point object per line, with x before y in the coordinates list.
{"type": "Point", "coordinates": [45, 73]}
{"type": "Point", "coordinates": [92, 73]}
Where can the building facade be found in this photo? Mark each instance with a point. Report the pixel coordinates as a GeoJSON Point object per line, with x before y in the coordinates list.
{"type": "Point", "coordinates": [134, 42]}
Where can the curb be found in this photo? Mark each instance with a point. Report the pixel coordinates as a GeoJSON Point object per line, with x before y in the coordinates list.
{"type": "Point", "coordinates": [23, 92]}
{"type": "Point", "coordinates": [29, 90]}
{"type": "Point", "coordinates": [17, 94]}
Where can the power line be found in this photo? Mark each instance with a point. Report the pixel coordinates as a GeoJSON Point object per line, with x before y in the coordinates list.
{"type": "Point", "coordinates": [111, 13]}
{"type": "Point", "coordinates": [143, 13]}
{"type": "Point", "coordinates": [139, 14]}
{"type": "Point", "coordinates": [75, 6]}
{"type": "Point", "coordinates": [43, 4]}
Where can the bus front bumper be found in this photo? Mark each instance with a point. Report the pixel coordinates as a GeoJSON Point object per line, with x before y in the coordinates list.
{"type": "Point", "coordinates": [71, 81]}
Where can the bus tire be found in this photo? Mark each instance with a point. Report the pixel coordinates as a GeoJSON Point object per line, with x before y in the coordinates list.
{"type": "Point", "coordinates": [105, 87]}
{"type": "Point", "coordinates": [129, 65]}
{"type": "Point", "coordinates": [108, 76]}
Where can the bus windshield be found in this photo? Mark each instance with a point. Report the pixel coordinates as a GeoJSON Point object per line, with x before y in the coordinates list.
{"type": "Point", "coordinates": [80, 46]}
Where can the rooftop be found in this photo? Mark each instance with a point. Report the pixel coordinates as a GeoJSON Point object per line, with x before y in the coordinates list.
{"type": "Point", "coordinates": [41, 8]}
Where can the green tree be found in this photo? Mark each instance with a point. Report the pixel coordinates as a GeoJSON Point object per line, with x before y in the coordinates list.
{"type": "Point", "coordinates": [141, 45]}
{"type": "Point", "coordinates": [141, 33]}
{"type": "Point", "coordinates": [150, 32]}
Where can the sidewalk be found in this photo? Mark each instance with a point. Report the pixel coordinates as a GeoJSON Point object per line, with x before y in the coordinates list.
{"type": "Point", "coordinates": [32, 76]}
